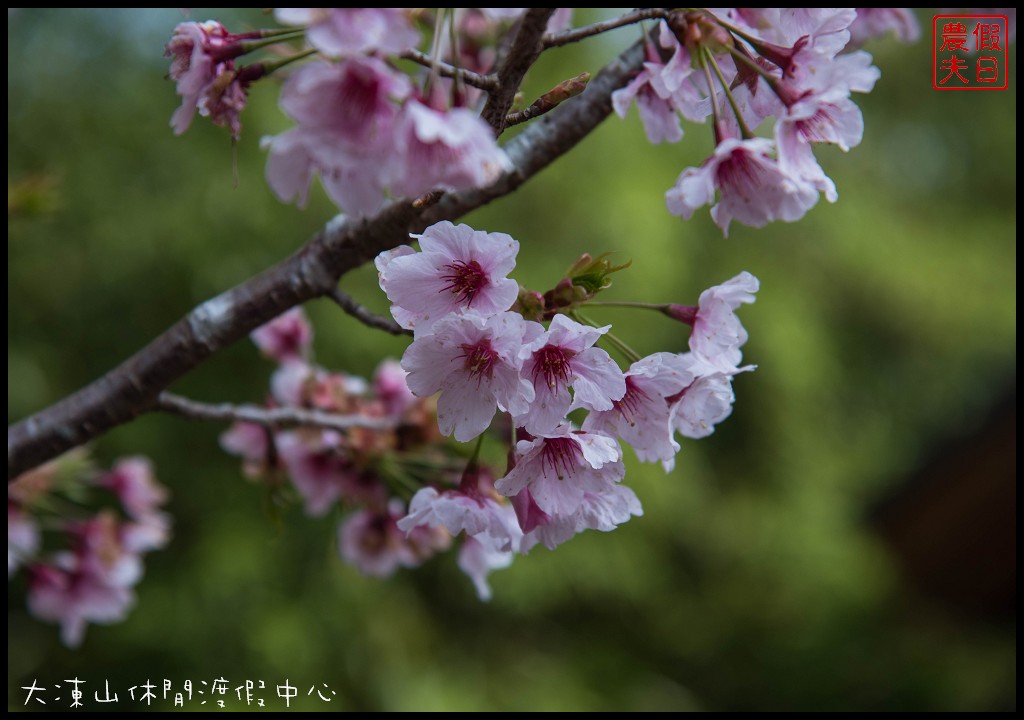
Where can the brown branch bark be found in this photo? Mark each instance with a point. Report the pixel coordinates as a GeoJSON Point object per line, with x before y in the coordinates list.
{"type": "Point", "coordinates": [134, 387]}
{"type": "Point", "coordinates": [367, 318]}
{"type": "Point", "coordinates": [525, 49]}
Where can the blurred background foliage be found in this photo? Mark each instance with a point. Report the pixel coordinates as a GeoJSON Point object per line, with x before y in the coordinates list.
{"type": "Point", "coordinates": [885, 332]}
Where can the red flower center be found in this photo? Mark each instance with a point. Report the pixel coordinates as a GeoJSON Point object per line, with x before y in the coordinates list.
{"type": "Point", "coordinates": [551, 365]}
{"type": "Point", "coordinates": [562, 455]}
{"type": "Point", "coordinates": [465, 280]}
{"type": "Point", "coordinates": [479, 359]}
{"type": "Point", "coordinates": [630, 402]}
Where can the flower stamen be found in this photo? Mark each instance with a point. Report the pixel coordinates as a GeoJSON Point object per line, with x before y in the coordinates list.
{"type": "Point", "coordinates": [465, 280]}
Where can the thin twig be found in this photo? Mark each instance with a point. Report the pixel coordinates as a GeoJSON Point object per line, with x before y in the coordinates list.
{"type": "Point", "coordinates": [360, 313]}
{"type": "Point", "coordinates": [267, 417]}
{"type": "Point", "coordinates": [577, 34]}
{"type": "Point", "coordinates": [483, 82]}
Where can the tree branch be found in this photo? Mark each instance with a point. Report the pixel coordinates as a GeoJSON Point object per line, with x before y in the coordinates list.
{"type": "Point", "coordinates": [483, 82]}
{"type": "Point", "coordinates": [360, 313]}
{"type": "Point", "coordinates": [577, 34]}
{"type": "Point", "coordinates": [525, 50]}
{"type": "Point", "coordinates": [267, 417]}
{"type": "Point", "coordinates": [134, 387]}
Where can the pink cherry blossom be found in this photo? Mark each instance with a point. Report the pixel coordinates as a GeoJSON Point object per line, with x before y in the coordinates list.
{"type": "Point", "coordinates": [322, 470]}
{"type": "Point", "coordinates": [462, 510]}
{"type": "Point", "coordinates": [707, 401]}
{"type": "Point", "coordinates": [345, 113]}
{"type": "Point", "coordinates": [391, 387]}
{"type": "Point", "coordinates": [718, 334]}
{"type": "Point", "coordinates": [136, 486]}
{"type": "Point", "coordinates": [286, 337]}
{"type": "Point", "coordinates": [371, 541]}
{"type": "Point", "coordinates": [478, 556]}
{"type": "Point", "coordinates": [752, 186]}
{"type": "Point", "coordinates": [528, 513]}
{"type": "Point", "coordinates": [561, 466]}
{"type": "Point", "coordinates": [453, 150]}
{"type": "Point", "coordinates": [602, 511]}
{"type": "Point", "coordinates": [150, 532]}
{"type": "Point", "coordinates": [291, 383]}
{"type": "Point", "coordinates": [245, 439]}
{"type": "Point", "coordinates": [353, 101]}
{"type": "Point", "coordinates": [474, 362]}
{"type": "Point", "coordinates": [202, 66]}
{"type": "Point", "coordinates": [662, 90]}
{"type": "Point", "coordinates": [876, 22]}
{"type": "Point", "coordinates": [91, 583]}
{"type": "Point", "coordinates": [341, 32]}
{"type": "Point", "coordinates": [22, 537]}
{"type": "Point", "coordinates": [458, 268]}
{"type": "Point", "coordinates": [564, 357]}
{"type": "Point", "coordinates": [642, 418]}
{"type": "Point", "coordinates": [65, 594]}
{"type": "Point", "coordinates": [661, 123]}
{"type": "Point", "coordinates": [822, 112]}
{"type": "Point", "coordinates": [821, 31]}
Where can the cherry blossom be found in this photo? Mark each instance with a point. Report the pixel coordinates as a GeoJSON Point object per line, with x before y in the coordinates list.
{"type": "Point", "coordinates": [707, 401]}
{"type": "Point", "coordinates": [464, 510]}
{"type": "Point", "coordinates": [718, 334]}
{"type": "Point", "coordinates": [561, 466]}
{"type": "Point", "coordinates": [92, 583]}
{"type": "Point", "coordinates": [287, 337]}
{"type": "Point", "coordinates": [564, 357]}
{"type": "Point", "coordinates": [661, 123]}
{"type": "Point", "coordinates": [371, 541]}
{"type": "Point", "coordinates": [202, 66]}
{"type": "Point", "coordinates": [478, 556]}
{"type": "Point", "coordinates": [474, 362]}
{"type": "Point", "coordinates": [322, 470]}
{"type": "Point", "coordinates": [22, 537]}
{"type": "Point", "coordinates": [391, 386]}
{"type": "Point", "coordinates": [65, 593]}
{"type": "Point", "coordinates": [445, 150]}
{"type": "Point", "coordinates": [340, 32]}
{"type": "Point", "coordinates": [642, 417]}
{"type": "Point", "coordinates": [458, 268]}
{"type": "Point", "coordinates": [602, 511]}
{"type": "Point", "coordinates": [876, 22]}
{"type": "Point", "coordinates": [345, 113]}
{"type": "Point", "coordinates": [250, 442]}
{"type": "Point", "coordinates": [752, 186]}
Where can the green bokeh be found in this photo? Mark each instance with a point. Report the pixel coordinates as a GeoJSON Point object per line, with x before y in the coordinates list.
{"type": "Point", "coordinates": [885, 323]}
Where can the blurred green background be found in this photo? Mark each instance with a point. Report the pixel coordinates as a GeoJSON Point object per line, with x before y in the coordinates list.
{"type": "Point", "coordinates": [767, 572]}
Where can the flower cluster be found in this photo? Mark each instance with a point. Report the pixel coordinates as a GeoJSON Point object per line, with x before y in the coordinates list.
{"type": "Point", "coordinates": [203, 66]}
{"type": "Point", "coordinates": [87, 568]}
{"type": "Point", "coordinates": [393, 438]}
{"type": "Point", "coordinates": [482, 357]}
{"type": "Point", "coordinates": [741, 66]}
{"type": "Point", "coordinates": [365, 127]}
{"type": "Point", "coordinates": [485, 353]}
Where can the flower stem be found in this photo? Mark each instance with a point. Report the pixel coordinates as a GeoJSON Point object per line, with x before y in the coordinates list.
{"type": "Point", "coordinates": [631, 355]}
{"type": "Point", "coordinates": [660, 307]}
{"type": "Point", "coordinates": [283, 36]}
{"type": "Point", "coordinates": [747, 135]}
{"type": "Point", "coordinates": [278, 64]}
